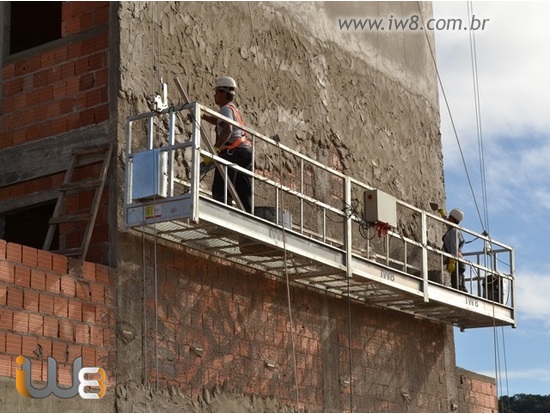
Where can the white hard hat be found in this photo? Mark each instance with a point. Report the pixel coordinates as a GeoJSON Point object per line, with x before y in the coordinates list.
{"type": "Point", "coordinates": [225, 82]}
{"type": "Point", "coordinates": [457, 214]}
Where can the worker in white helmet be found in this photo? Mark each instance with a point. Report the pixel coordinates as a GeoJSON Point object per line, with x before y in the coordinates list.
{"type": "Point", "coordinates": [452, 244]}
{"type": "Point", "coordinates": [231, 144]}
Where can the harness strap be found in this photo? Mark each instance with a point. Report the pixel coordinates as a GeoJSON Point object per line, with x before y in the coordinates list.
{"type": "Point", "coordinates": [243, 139]}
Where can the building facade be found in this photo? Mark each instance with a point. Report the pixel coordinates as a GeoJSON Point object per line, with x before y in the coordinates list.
{"type": "Point", "coordinates": [174, 328]}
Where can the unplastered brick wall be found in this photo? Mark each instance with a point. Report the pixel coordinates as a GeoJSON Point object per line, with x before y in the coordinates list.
{"type": "Point", "coordinates": [61, 88]}
{"type": "Point", "coordinates": [212, 323]}
{"type": "Point", "coordinates": [54, 306]}
{"type": "Point", "coordinates": [478, 393]}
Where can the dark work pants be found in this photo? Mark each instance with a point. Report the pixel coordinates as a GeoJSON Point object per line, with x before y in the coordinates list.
{"type": "Point", "coordinates": [457, 277]}
{"type": "Point", "coordinates": [242, 156]}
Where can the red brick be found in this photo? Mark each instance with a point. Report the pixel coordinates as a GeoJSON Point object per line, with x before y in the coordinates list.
{"type": "Point", "coordinates": [98, 293]}
{"type": "Point", "coordinates": [70, 26]}
{"type": "Point", "coordinates": [89, 356]}
{"type": "Point", "coordinates": [8, 71]}
{"type": "Point", "coordinates": [40, 79]}
{"type": "Point", "coordinates": [48, 59]}
{"type": "Point", "coordinates": [46, 304]}
{"type": "Point", "coordinates": [7, 272]}
{"type": "Point", "coordinates": [53, 283]}
{"type": "Point", "coordinates": [66, 330]}
{"type": "Point", "coordinates": [60, 55]}
{"type": "Point", "coordinates": [83, 290]}
{"type": "Point", "coordinates": [59, 351]}
{"type": "Point", "coordinates": [3, 246]}
{"type": "Point", "coordinates": [103, 274]}
{"type": "Point", "coordinates": [74, 50]}
{"type": "Point", "coordinates": [67, 70]}
{"type": "Point", "coordinates": [38, 279]}
{"type": "Point", "coordinates": [21, 67]}
{"type": "Point", "coordinates": [29, 346]}
{"type": "Point", "coordinates": [22, 276]}
{"type": "Point", "coordinates": [101, 113]}
{"type": "Point", "coordinates": [96, 335]}
{"type": "Point", "coordinates": [35, 63]}
{"type": "Point", "coordinates": [60, 307]}
{"type": "Point", "coordinates": [36, 324]}
{"type": "Point", "coordinates": [101, 77]}
{"type": "Point", "coordinates": [44, 260]}
{"type": "Point", "coordinates": [86, 21]}
{"type": "Point", "coordinates": [75, 351]}
{"type": "Point", "coordinates": [2, 341]}
{"type": "Point", "coordinates": [82, 333]}
{"type": "Point", "coordinates": [3, 295]}
{"type": "Point", "coordinates": [108, 337]}
{"type": "Point", "coordinates": [86, 117]}
{"type": "Point", "coordinates": [30, 300]}
{"type": "Point", "coordinates": [59, 126]}
{"type": "Point", "coordinates": [93, 98]}
{"type": "Point", "coordinates": [37, 368]}
{"type": "Point", "coordinates": [21, 322]}
{"type": "Point", "coordinates": [45, 347]}
{"type": "Point", "coordinates": [30, 256]}
{"type": "Point", "coordinates": [13, 343]}
{"type": "Point", "coordinates": [75, 310]}
{"type": "Point", "coordinates": [88, 312]}
{"type": "Point", "coordinates": [6, 319]}
{"type": "Point", "coordinates": [97, 61]}
{"type": "Point", "coordinates": [14, 252]}
{"type": "Point", "coordinates": [101, 15]}
{"type": "Point", "coordinates": [64, 374]}
{"type": "Point", "coordinates": [68, 286]}
{"type": "Point", "coordinates": [15, 297]}
{"type": "Point", "coordinates": [51, 328]}
{"type": "Point", "coordinates": [59, 263]}
{"type": "Point", "coordinates": [5, 365]}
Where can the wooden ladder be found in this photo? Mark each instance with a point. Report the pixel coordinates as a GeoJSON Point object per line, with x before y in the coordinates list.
{"type": "Point", "coordinates": [80, 156]}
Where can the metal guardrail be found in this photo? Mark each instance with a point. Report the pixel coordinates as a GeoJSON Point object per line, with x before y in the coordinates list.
{"type": "Point", "coordinates": [323, 204]}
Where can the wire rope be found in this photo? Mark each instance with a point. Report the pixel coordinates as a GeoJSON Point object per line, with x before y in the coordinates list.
{"type": "Point", "coordinates": [281, 209]}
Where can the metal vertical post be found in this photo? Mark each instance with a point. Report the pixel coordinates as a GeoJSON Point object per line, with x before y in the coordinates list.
{"type": "Point", "coordinates": [348, 227]}
{"type": "Point", "coordinates": [424, 232]}
{"type": "Point", "coordinates": [195, 162]}
{"type": "Point", "coordinates": [171, 142]}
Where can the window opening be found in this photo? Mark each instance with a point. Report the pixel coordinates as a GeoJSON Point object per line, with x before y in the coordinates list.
{"type": "Point", "coordinates": [33, 23]}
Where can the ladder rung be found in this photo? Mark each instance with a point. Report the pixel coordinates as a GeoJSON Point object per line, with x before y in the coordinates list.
{"type": "Point", "coordinates": [71, 218]}
{"type": "Point", "coordinates": [80, 185]}
{"type": "Point", "coordinates": [90, 150]}
{"type": "Point", "coordinates": [69, 252]}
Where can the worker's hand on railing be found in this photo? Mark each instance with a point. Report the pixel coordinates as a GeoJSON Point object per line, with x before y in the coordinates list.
{"type": "Point", "coordinates": [208, 160]}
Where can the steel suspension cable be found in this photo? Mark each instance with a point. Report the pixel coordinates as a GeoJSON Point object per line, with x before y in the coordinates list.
{"type": "Point", "coordinates": [278, 215]}
{"type": "Point", "coordinates": [448, 107]}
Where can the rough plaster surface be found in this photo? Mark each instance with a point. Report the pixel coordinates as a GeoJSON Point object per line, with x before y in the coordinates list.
{"type": "Point", "coordinates": [139, 399]}
{"type": "Point", "coordinates": [370, 99]}
{"type": "Point", "coordinates": [363, 103]}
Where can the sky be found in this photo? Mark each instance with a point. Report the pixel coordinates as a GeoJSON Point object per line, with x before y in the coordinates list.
{"type": "Point", "coordinates": [512, 56]}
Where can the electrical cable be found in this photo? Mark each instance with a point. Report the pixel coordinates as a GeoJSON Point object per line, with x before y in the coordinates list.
{"type": "Point", "coordinates": [450, 116]}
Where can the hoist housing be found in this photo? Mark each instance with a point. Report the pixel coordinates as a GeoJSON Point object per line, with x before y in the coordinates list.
{"type": "Point", "coordinates": [380, 207]}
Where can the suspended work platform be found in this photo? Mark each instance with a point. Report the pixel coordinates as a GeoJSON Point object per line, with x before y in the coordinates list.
{"type": "Point", "coordinates": [309, 225]}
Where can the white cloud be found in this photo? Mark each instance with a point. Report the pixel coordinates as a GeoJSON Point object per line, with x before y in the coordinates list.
{"type": "Point", "coordinates": [532, 297]}
{"type": "Point", "coordinates": [541, 374]}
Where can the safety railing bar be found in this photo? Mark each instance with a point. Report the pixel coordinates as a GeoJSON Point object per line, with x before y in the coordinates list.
{"type": "Point", "coordinates": [270, 182]}
{"type": "Point", "coordinates": [273, 142]}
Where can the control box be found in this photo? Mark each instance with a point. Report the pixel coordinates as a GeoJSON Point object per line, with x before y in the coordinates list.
{"type": "Point", "coordinates": [380, 207]}
{"type": "Point", "coordinates": [150, 175]}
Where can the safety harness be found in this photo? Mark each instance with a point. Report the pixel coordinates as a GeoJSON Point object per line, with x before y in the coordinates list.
{"type": "Point", "coordinates": [243, 139]}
